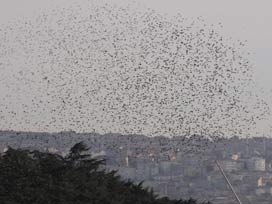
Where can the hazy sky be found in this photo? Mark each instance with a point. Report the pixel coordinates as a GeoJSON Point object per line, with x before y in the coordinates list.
{"type": "Point", "coordinates": [242, 19]}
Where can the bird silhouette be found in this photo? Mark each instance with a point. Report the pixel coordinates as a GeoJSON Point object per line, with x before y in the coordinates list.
{"type": "Point", "coordinates": [124, 69]}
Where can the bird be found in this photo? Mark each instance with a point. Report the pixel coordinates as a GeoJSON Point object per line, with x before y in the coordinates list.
{"type": "Point", "coordinates": [126, 70]}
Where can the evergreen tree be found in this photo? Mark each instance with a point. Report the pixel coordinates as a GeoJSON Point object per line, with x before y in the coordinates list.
{"type": "Point", "coordinates": [33, 177]}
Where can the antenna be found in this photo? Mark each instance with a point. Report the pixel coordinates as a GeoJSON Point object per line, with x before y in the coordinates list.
{"type": "Point", "coordinates": [228, 182]}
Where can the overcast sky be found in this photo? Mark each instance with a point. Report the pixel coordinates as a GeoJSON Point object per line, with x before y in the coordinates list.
{"type": "Point", "coordinates": [248, 20]}
{"type": "Point", "coordinates": [242, 19]}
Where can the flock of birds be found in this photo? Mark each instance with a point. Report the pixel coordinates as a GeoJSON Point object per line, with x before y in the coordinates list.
{"type": "Point", "coordinates": [103, 68]}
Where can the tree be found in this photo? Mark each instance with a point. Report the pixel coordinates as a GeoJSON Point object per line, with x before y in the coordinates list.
{"type": "Point", "coordinates": [28, 177]}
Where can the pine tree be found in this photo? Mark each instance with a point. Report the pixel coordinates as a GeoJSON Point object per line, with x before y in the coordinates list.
{"type": "Point", "coordinates": [33, 177]}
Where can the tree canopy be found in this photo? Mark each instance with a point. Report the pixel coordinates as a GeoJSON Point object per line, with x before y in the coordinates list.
{"type": "Point", "coordinates": [28, 177]}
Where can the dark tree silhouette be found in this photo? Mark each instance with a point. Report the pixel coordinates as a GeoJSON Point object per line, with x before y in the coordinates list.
{"type": "Point", "coordinates": [28, 177]}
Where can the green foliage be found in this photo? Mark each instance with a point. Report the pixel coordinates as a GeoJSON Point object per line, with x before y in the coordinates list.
{"type": "Point", "coordinates": [33, 177]}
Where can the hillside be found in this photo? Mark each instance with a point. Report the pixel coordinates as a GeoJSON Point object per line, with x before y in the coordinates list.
{"type": "Point", "coordinates": [45, 178]}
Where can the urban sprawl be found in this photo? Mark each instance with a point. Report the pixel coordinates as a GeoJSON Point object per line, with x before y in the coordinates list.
{"type": "Point", "coordinates": [179, 167]}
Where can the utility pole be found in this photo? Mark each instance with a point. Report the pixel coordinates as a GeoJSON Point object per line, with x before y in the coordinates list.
{"type": "Point", "coordinates": [228, 182]}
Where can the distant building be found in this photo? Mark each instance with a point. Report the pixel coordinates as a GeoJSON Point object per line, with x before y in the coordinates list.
{"type": "Point", "coordinates": [231, 165]}
{"type": "Point", "coordinates": [165, 168]}
{"type": "Point", "coordinates": [235, 157]}
{"type": "Point", "coordinates": [143, 173]}
{"type": "Point", "coordinates": [260, 182]}
{"type": "Point", "coordinates": [260, 191]}
{"type": "Point", "coordinates": [264, 181]}
{"type": "Point", "coordinates": [255, 164]}
{"type": "Point", "coordinates": [52, 150]}
{"type": "Point", "coordinates": [127, 173]}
